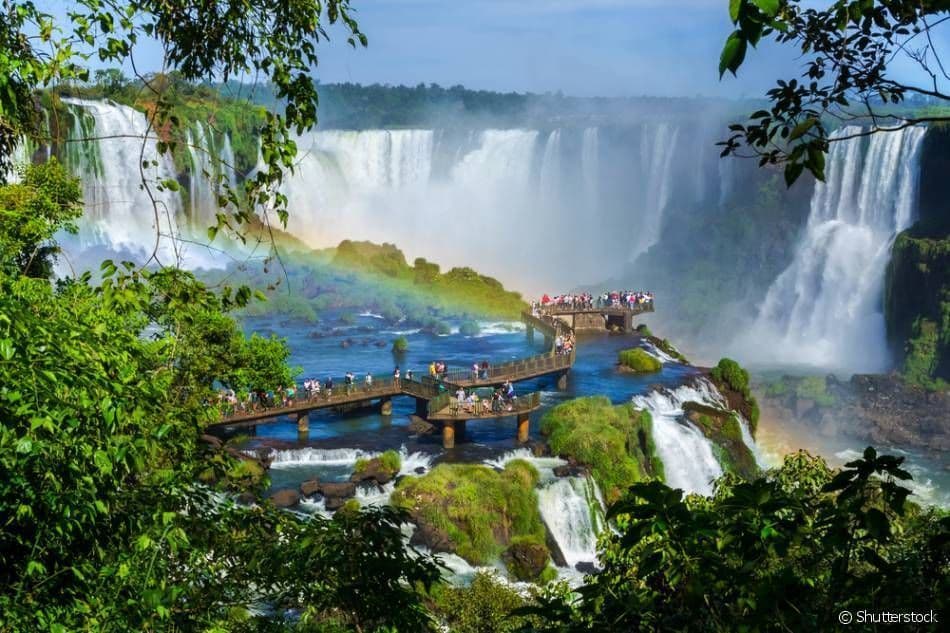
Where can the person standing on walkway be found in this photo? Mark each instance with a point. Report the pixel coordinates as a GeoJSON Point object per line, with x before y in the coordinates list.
{"type": "Point", "coordinates": [396, 377]}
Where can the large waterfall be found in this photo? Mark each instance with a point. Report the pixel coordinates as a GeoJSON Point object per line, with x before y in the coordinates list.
{"type": "Point", "coordinates": [825, 309]}
{"type": "Point", "coordinates": [573, 511]}
{"type": "Point", "coordinates": [549, 207]}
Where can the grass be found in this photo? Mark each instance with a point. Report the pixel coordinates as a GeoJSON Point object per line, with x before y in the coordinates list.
{"type": "Point", "coordinates": [389, 461]}
{"type": "Point", "coordinates": [616, 442]}
{"type": "Point", "coordinates": [480, 509]}
{"type": "Point", "coordinates": [637, 360]}
{"type": "Point", "coordinates": [815, 388]}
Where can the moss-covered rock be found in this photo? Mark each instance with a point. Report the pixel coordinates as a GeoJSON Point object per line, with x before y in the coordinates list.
{"type": "Point", "coordinates": [469, 328]}
{"type": "Point", "coordinates": [615, 442]}
{"type": "Point", "coordinates": [917, 304]}
{"type": "Point", "coordinates": [723, 431]}
{"type": "Point", "coordinates": [381, 469]}
{"type": "Point", "coordinates": [733, 382]}
{"type": "Point", "coordinates": [638, 361]}
{"type": "Point", "coordinates": [664, 345]}
{"type": "Point", "coordinates": [473, 510]}
{"type": "Point", "coordinates": [401, 345]}
{"type": "Point", "coordinates": [526, 558]}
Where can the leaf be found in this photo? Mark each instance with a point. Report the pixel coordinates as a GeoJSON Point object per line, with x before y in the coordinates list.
{"type": "Point", "coordinates": [792, 172]}
{"type": "Point", "coordinates": [733, 53]}
{"type": "Point", "coordinates": [734, 6]}
{"type": "Point", "coordinates": [768, 7]}
{"type": "Point", "coordinates": [799, 130]}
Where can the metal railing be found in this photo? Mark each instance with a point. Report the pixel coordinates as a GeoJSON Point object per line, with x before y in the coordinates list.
{"type": "Point", "coordinates": [636, 308]}
{"type": "Point", "coordinates": [484, 406]}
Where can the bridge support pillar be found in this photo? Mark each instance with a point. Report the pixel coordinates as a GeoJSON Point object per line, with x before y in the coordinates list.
{"type": "Point", "coordinates": [628, 322]}
{"type": "Point", "coordinates": [422, 407]}
{"type": "Point", "coordinates": [523, 427]}
{"type": "Point", "coordinates": [386, 406]}
{"type": "Point", "coordinates": [448, 434]}
{"type": "Point", "coordinates": [562, 381]}
{"type": "Point", "coordinates": [303, 423]}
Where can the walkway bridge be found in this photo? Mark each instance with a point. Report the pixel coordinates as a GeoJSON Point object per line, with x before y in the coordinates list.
{"type": "Point", "coordinates": [435, 396]}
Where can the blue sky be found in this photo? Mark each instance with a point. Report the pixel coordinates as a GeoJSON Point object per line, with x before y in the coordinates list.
{"type": "Point", "coordinates": [582, 47]}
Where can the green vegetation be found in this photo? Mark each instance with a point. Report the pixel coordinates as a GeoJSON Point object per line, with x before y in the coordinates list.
{"type": "Point", "coordinates": [668, 347]}
{"type": "Point", "coordinates": [724, 432]}
{"type": "Point", "coordinates": [733, 381]}
{"type": "Point", "coordinates": [401, 345]}
{"type": "Point", "coordinates": [644, 330]}
{"type": "Point", "coordinates": [616, 442]}
{"type": "Point", "coordinates": [107, 524]}
{"type": "Point", "coordinates": [389, 462]}
{"type": "Point", "coordinates": [917, 301]}
{"type": "Point", "coordinates": [487, 605]}
{"type": "Point", "coordinates": [479, 511]}
{"type": "Point", "coordinates": [787, 551]}
{"type": "Point", "coordinates": [370, 276]}
{"type": "Point", "coordinates": [815, 388]}
{"type": "Point", "coordinates": [639, 361]}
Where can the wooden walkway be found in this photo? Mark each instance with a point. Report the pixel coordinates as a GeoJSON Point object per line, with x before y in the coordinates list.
{"type": "Point", "coordinates": [435, 397]}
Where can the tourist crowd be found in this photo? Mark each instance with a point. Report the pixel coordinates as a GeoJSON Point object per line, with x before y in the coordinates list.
{"type": "Point", "coordinates": [587, 301]}
{"type": "Point", "coordinates": [501, 400]}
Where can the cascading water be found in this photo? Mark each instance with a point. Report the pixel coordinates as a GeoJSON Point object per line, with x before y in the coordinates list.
{"type": "Point", "coordinates": [825, 309]}
{"type": "Point", "coordinates": [687, 455]}
{"type": "Point", "coordinates": [212, 167]}
{"type": "Point", "coordinates": [574, 513]}
{"type": "Point", "coordinates": [549, 182]}
{"type": "Point", "coordinates": [657, 146]}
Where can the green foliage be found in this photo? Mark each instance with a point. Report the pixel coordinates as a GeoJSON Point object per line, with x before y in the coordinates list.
{"type": "Point", "coordinates": [479, 510]}
{"type": "Point", "coordinates": [401, 345]}
{"type": "Point", "coordinates": [639, 361]}
{"type": "Point", "coordinates": [787, 551]}
{"type": "Point", "coordinates": [374, 277]}
{"type": "Point", "coordinates": [848, 45]}
{"type": "Point", "coordinates": [487, 605]}
{"type": "Point", "coordinates": [815, 388]}
{"type": "Point", "coordinates": [724, 432]}
{"type": "Point", "coordinates": [389, 461]}
{"type": "Point", "coordinates": [644, 330]}
{"type": "Point", "coordinates": [46, 200]}
{"type": "Point", "coordinates": [917, 304]}
{"type": "Point", "coordinates": [616, 442]}
{"type": "Point", "coordinates": [729, 376]}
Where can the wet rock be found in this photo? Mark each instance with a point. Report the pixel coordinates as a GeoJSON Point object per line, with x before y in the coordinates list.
{"type": "Point", "coordinates": [436, 539]}
{"type": "Point", "coordinates": [346, 343]}
{"type": "Point", "coordinates": [285, 498]}
{"type": "Point", "coordinates": [310, 487]}
{"type": "Point", "coordinates": [556, 554]}
{"type": "Point", "coordinates": [539, 449]}
{"type": "Point", "coordinates": [246, 498]}
{"type": "Point", "coordinates": [569, 470]}
{"type": "Point", "coordinates": [526, 559]}
{"type": "Point", "coordinates": [373, 470]}
{"type": "Point", "coordinates": [586, 568]}
{"type": "Point", "coordinates": [337, 490]}
{"type": "Point", "coordinates": [418, 426]}
{"type": "Point", "coordinates": [420, 470]}
{"type": "Point", "coordinates": [332, 504]}
{"type": "Point", "coordinates": [380, 343]}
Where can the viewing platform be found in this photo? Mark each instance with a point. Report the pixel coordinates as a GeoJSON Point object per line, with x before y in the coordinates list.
{"type": "Point", "coordinates": [435, 396]}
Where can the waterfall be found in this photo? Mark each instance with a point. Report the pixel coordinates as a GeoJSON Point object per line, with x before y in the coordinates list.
{"type": "Point", "coordinates": [687, 455]}
{"type": "Point", "coordinates": [657, 146]}
{"type": "Point", "coordinates": [119, 212]}
{"type": "Point", "coordinates": [549, 184]}
{"type": "Point", "coordinates": [574, 513]}
{"type": "Point", "coordinates": [211, 169]}
{"type": "Point", "coordinates": [825, 309]}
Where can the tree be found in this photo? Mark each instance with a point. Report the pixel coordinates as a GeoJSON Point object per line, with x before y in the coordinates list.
{"type": "Point", "coordinates": [45, 201]}
{"type": "Point", "coordinates": [848, 49]}
{"type": "Point", "coordinates": [212, 41]}
{"type": "Point", "coordinates": [788, 551]}
{"type": "Point", "coordinates": [104, 524]}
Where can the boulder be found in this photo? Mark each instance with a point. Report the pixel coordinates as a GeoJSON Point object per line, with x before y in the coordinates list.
{"type": "Point", "coordinates": [539, 449]}
{"type": "Point", "coordinates": [526, 559]}
{"type": "Point", "coordinates": [332, 504]}
{"type": "Point", "coordinates": [586, 568]}
{"type": "Point", "coordinates": [570, 470]}
{"type": "Point", "coordinates": [285, 498]}
{"type": "Point", "coordinates": [246, 498]}
{"type": "Point", "coordinates": [436, 539]}
{"type": "Point", "coordinates": [341, 490]}
{"type": "Point", "coordinates": [420, 470]}
{"type": "Point", "coordinates": [373, 470]}
{"type": "Point", "coordinates": [418, 426]}
{"type": "Point", "coordinates": [310, 487]}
